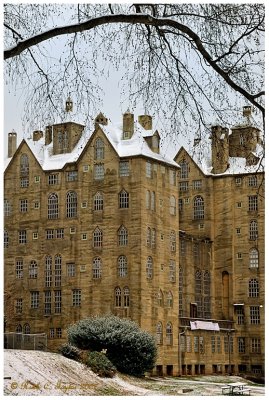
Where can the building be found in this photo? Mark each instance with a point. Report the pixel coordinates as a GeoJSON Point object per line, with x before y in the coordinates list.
{"type": "Point", "coordinates": [104, 223]}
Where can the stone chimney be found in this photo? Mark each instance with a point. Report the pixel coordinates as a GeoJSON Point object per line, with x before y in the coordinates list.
{"type": "Point", "coordinates": [12, 143]}
{"type": "Point", "coordinates": [37, 135]}
{"type": "Point", "coordinates": [220, 149]}
{"type": "Point", "coordinates": [100, 120]}
{"type": "Point", "coordinates": [48, 135]}
{"type": "Point", "coordinates": [128, 125]}
{"type": "Point", "coordinates": [247, 111]}
{"type": "Point", "coordinates": [145, 121]}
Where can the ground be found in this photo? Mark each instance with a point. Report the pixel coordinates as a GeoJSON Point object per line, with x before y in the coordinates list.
{"type": "Point", "coordinates": [37, 373]}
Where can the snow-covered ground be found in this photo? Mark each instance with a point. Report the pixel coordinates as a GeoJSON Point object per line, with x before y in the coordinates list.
{"type": "Point", "coordinates": [37, 373]}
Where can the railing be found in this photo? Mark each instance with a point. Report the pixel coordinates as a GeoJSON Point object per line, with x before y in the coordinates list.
{"type": "Point", "coordinates": [23, 341]}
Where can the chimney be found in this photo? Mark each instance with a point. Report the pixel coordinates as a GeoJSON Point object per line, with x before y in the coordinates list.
{"type": "Point", "coordinates": [37, 135]}
{"type": "Point", "coordinates": [100, 120]}
{"type": "Point", "coordinates": [12, 143]}
{"type": "Point", "coordinates": [247, 111]}
{"type": "Point", "coordinates": [128, 125]}
{"type": "Point", "coordinates": [145, 121]}
{"type": "Point", "coordinates": [48, 135]}
{"type": "Point", "coordinates": [220, 149]}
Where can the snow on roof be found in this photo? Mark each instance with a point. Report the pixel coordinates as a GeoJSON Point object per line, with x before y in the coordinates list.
{"type": "Point", "coordinates": [136, 146]}
{"type": "Point", "coordinates": [201, 155]}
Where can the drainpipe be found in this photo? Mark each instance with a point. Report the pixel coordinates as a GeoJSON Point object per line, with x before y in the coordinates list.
{"type": "Point", "coordinates": [179, 350]}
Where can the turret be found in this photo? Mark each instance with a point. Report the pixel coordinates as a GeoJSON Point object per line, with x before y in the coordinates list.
{"type": "Point", "coordinates": [219, 149]}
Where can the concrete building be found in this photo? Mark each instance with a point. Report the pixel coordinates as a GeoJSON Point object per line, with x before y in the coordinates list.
{"type": "Point", "coordinates": [103, 223]}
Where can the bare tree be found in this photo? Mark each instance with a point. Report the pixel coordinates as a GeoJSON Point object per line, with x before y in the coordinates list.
{"type": "Point", "coordinates": [188, 63]}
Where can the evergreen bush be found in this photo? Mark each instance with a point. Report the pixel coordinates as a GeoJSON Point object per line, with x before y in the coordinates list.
{"type": "Point", "coordinates": [130, 349]}
{"type": "Point", "coordinates": [69, 351]}
{"type": "Point", "coordinates": [100, 364]}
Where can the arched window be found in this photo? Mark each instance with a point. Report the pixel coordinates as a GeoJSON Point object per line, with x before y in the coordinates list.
{"type": "Point", "coordinates": [126, 297]}
{"type": "Point", "coordinates": [169, 333]}
{"type": "Point", "coordinates": [53, 206]}
{"type": "Point", "coordinates": [172, 271]}
{"type": "Point", "coordinates": [33, 270]}
{"type": "Point", "coordinates": [184, 170]}
{"type": "Point", "coordinates": [99, 149]}
{"type": "Point", "coordinates": [26, 329]}
{"type": "Point", "coordinates": [58, 270]}
{"type": "Point", "coordinates": [253, 288]}
{"type": "Point", "coordinates": [172, 205]}
{"type": "Point", "coordinates": [149, 268]}
{"type": "Point", "coordinates": [98, 202]}
{"type": "Point", "coordinates": [71, 205]}
{"type": "Point", "coordinates": [148, 196]}
{"type": "Point", "coordinates": [159, 333]}
{"type": "Point", "coordinates": [24, 165]}
{"type": "Point", "coordinates": [97, 238]}
{"type": "Point", "coordinates": [160, 298]}
{"type": "Point", "coordinates": [48, 271]}
{"type": "Point", "coordinates": [6, 240]}
{"type": "Point", "coordinates": [169, 299]}
{"type": "Point", "coordinates": [97, 268]}
{"type": "Point", "coordinates": [198, 208]}
{"type": "Point", "coordinates": [117, 297]}
{"type": "Point", "coordinates": [123, 199]}
{"type": "Point", "coordinates": [122, 236]}
{"type": "Point", "coordinates": [254, 258]}
{"type": "Point", "coordinates": [122, 266]}
{"type": "Point", "coordinates": [153, 201]}
{"type": "Point", "coordinates": [253, 230]}
{"type": "Point", "coordinates": [19, 328]}
{"type": "Point", "coordinates": [148, 237]}
{"type": "Point", "coordinates": [153, 238]}
{"type": "Point", "coordinates": [173, 241]}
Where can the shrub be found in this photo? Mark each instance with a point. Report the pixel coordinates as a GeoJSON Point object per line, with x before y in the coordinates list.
{"type": "Point", "coordinates": [100, 364]}
{"type": "Point", "coordinates": [130, 349]}
{"type": "Point", "coordinates": [69, 351]}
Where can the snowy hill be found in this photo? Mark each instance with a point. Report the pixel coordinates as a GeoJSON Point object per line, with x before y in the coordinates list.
{"type": "Point", "coordinates": [37, 373]}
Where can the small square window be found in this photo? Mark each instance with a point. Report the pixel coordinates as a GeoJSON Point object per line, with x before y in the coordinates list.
{"type": "Point", "coordinates": [84, 236]}
{"type": "Point", "coordinates": [82, 268]}
{"type": "Point", "coordinates": [187, 200]}
{"type": "Point", "coordinates": [37, 179]}
{"type": "Point", "coordinates": [162, 236]}
{"type": "Point", "coordinates": [238, 231]}
{"type": "Point", "coordinates": [35, 235]}
{"type": "Point", "coordinates": [239, 204]}
{"type": "Point", "coordinates": [72, 230]}
{"type": "Point", "coordinates": [36, 205]}
{"type": "Point", "coordinates": [239, 256]}
{"type": "Point", "coordinates": [238, 181]}
{"type": "Point", "coordinates": [201, 226]}
{"type": "Point", "coordinates": [86, 168]}
{"type": "Point", "coordinates": [84, 204]}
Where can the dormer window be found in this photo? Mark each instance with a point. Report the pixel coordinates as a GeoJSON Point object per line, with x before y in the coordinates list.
{"type": "Point", "coordinates": [126, 135]}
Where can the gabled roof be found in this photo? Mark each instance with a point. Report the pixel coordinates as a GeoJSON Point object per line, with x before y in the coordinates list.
{"type": "Point", "coordinates": [136, 146]}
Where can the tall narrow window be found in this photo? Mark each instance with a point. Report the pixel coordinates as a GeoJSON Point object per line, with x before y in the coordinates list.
{"type": "Point", "coordinates": [71, 205]}
{"type": "Point", "coordinates": [33, 270]}
{"type": "Point", "coordinates": [6, 240]}
{"type": "Point", "coordinates": [206, 297]}
{"type": "Point", "coordinates": [253, 288]}
{"type": "Point", "coordinates": [76, 297]}
{"type": "Point", "coordinates": [22, 237]}
{"type": "Point", "coordinates": [173, 241]}
{"type": "Point", "coordinates": [53, 206]}
{"type": "Point", "coordinates": [172, 205]}
{"type": "Point", "coordinates": [160, 298]}
{"type": "Point", "coordinates": [97, 268]}
{"type": "Point", "coordinates": [23, 205]}
{"type": "Point", "coordinates": [99, 149]}
{"type": "Point", "coordinates": [169, 299]}
{"type": "Point", "coordinates": [198, 208]}
{"type": "Point", "coordinates": [148, 237]}
{"type": "Point", "coordinates": [126, 297]}
{"type": "Point", "coordinates": [123, 199]}
{"type": "Point", "coordinates": [149, 268]}
{"type": "Point", "coordinates": [19, 269]}
{"type": "Point", "coordinates": [117, 297]}
{"type": "Point", "coordinates": [252, 203]}
{"type": "Point", "coordinates": [124, 168]}
{"type": "Point", "coordinates": [122, 236]}
{"type": "Point", "coordinates": [172, 271]}
{"type": "Point", "coordinates": [26, 329]}
{"type": "Point", "coordinates": [99, 172]}
{"type": "Point", "coordinates": [148, 169]}
{"type": "Point", "coordinates": [58, 270]}
{"type": "Point", "coordinates": [254, 258]}
{"type": "Point", "coordinates": [34, 299]}
{"type": "Point", "coordinates": [97, 238]}
{"type": "Point", "coordinates": [47, 302]}
{"type": "Point", "coordinates": [24, 165]}
{"type": "Point", "coordinates": [122, 266]}
{"type": "Point", "coordinates": [169, 333]}
{"type": "Point", "coordinates": [253, 230]}
{"type": "Point", "coordinates": [7, 208]}
{"type": "Point", "coordinates": [159, 333]}
{"type": "Point", "coordinates": [58, 301]}
{"type": "Point", "coordinates": [153, 238]}
{"type": "Point", "coordinates": [18, 306]}
{"type": "Point", "coordinates": [148, 196]}
{"type": "Point", "coordinates": [255, 315]}
{"type": "Point", "coordinates": [252, 181]}
{"type": "Point", "coordinates": [153, 201]}
{"type": "Point", "coordinates": [98, 202]}
{"type": "Point", "coordinates": [184, 170]}
{"type": "Point", "coordinates": [48, 271]}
